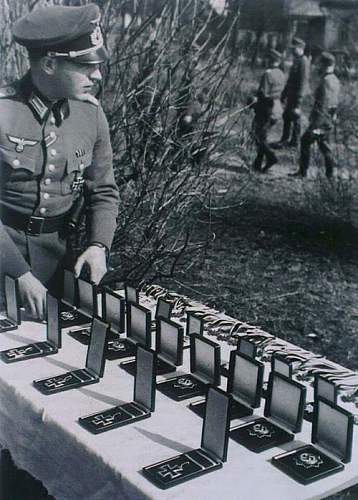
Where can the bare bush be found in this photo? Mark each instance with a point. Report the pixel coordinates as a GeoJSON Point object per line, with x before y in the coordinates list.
{"type": "Point", "coordinates": [167, 94]}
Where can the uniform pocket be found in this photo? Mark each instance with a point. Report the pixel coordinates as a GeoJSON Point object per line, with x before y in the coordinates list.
{"type": "Point", "coordinates": [16, 161]}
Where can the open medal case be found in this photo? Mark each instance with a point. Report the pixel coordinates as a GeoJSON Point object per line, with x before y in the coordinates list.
{"type": "Point", "coordinates": [332, 436]}
{"type": "Point", "coordinates": [246, 347]}
{"type": "Point", "coordinates": [194, 324]}
{"type": "Point", "coordinates": [244, 384]}
{"type": "Point", "coordinates": [113, 313]}
{"type": "Point", "coordinates": [143, 399]}
{"type": "Point", "coordinates": [70, 316]}
{"type": "Point", "coordinates": [87, 307]}
{"type": "Point", "coordinates": [204, 371]}
{"type": "Point", "coordinates": [39, 349]}
{"type": "Point", "coordinates": [209, 457]}
{"type": "Point", "coordinates": [284, 414]}
{"type": "Point", "coordinates": [322, 388]}
{"type": "Point", "coordinates": [92, 373]}
{"type": "Point", "coordinates": [13, 315]}
{"type": "Point", "coordinates": [138, 333]}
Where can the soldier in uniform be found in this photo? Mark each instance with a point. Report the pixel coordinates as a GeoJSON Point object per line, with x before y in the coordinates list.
{"type": "Point", "coordinates": [268, 110]}
{"type": "Point", "coordinates": [55, 147]}
{"type": "Point", "coordinates": [322, 118]}
{"type": "Point", "coordinates": [296, 88]}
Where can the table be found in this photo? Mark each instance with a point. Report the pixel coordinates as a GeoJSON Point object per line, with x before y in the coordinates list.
{"type": "Point", "coordinates": [44, 437]}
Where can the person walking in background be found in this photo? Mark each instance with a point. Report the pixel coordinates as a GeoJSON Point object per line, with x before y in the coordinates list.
{"type": "Point", "coordinates": [296, 88]}
{"type": "Point", "coordinates": [323, 117]}
{"type": "Point", "coordinates": [268, 110]}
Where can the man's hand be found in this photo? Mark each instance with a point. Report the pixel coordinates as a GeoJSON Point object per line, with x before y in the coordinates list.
{"type": "Point", "coordinates": [33, 295]}
{"type": "Point", "coordinates": [95, 258]}
{"type": "Point", "coordinates": [297, 111]}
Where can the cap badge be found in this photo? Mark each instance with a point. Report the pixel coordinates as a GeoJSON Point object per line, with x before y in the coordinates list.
{"type": "Point", "coordinates": [96, 37]}
{"type": "Point", "coordinates": [21, 143]}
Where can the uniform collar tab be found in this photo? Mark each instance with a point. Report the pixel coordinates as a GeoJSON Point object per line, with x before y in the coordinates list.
{"type": "Point", "coordinates": [40, 105]}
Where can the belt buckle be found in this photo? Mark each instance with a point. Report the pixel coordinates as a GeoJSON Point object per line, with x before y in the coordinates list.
{"type": "Point", "coordinates": [35, 226]}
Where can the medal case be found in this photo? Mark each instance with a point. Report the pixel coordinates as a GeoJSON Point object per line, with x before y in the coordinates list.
{"type": "Point", "coordinates": [138, 333]}
{"type": "Point", "coordinates": [194, 324]}
{"type": "Point", "coordinates": [93, 371]}
{"type": "Point", "coordinates": [13, 315]}
{"type": "Point", "coordinates": [70, 315]}
{"type": "Point", "coordinates": [39, 349]}
{"type": "Point", "coordinates": [332, 436]}
{"type": "Point", "coordinates": [209, 457]}
{"type": "Point", "coordinates": [143, 399]}
{"type": "Point", "coordinates": [169, 348]}
{"type": "Point", "coordinates": [284, 414]}
{"type": "Point", "coordinates": [321, 388]}
{"type": "Point", "coordinates": [204, 371]}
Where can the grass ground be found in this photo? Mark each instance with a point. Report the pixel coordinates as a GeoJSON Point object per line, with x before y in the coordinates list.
{"type": "Point", "coordinates": [281, 260]}
{"type": "Point", "coordinates": [283, 256]}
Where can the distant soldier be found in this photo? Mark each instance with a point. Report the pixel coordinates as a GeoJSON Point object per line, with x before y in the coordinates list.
{"type": "Point", "coordinates": [322, 118]}
{"type": "Point", "coordinates": [268, 110]}
{"type": "Point", "coordinates": [296, 88]}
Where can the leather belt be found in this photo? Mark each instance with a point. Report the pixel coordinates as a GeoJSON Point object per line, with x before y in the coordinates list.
{"type": "Point", "coordinates": [32, 225]}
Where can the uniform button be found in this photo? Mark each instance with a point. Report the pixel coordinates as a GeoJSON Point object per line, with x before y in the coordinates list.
{"type": "Point", "coordinates": [53, 152]}
{"type": "Point", "coordinates": [47, 181]}
{"type": "Point", "coordinates": [16, 162]}
{"type": "Point", "coordinates": [43, 210]}
{"type": "Point", "coordinates": [53, 134]}
{"type": "Point", "coordinates": [46, 196]}
{"type": "Point", "coordinates": [51, 167]}
{"type": "Point", "coordinates": [52, 120]}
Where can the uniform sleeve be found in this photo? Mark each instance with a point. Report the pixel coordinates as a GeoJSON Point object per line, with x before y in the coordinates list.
{"type": "Point", "coordinates": [264, 87]}
{"type": "Point", "coordinates": [101, 191]}
{"type": "Point", "coordinates": [11, 260]}
{"type": "Point", "coordinates": [326, 100]}
{"type": "Point", "coordinates": [302, 78]}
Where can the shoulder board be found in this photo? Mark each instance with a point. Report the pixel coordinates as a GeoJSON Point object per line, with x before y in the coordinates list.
{"type": "Point", "coordinates": [7, 91]}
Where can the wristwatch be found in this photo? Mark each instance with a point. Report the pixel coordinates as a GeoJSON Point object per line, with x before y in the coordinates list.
{"type": "Point", "coordinates": [100, 245]}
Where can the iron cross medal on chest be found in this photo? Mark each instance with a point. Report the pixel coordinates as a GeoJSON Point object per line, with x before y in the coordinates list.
{"type": "Point", "coordinates": [77, 184]}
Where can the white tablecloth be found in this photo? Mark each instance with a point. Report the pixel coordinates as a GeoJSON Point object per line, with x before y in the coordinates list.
{"type": "Point", "coordinates": [44, 438]}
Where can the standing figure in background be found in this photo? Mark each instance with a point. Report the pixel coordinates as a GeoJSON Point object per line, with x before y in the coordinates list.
{"type": "Point", "coordinates": [268, 110]}
{"type": "Point", "coordinates": [55, 149]}
{"type": "Point", "coordinates": [322, 118]}
{"type": "Point", "coordinates": [296, 88]}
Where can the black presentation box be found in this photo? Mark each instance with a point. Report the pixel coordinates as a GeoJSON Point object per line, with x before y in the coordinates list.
{"type": "Point", "coordinates": [70, 316]}
{"type": "Point", "coordinates": [169, 348]}
{"type": "Point", "coordinates": [332, 436]}
{"type": "Point", "coordinates": [284, 414]}
{"type": "Point", "coordinates": [209, 457]}
{"type": "Point", "coordinates": [204, 368]}
{"type": "Point", "coordinates": [143, 399]}
{"type": "Point", "coordinates": [93, 371]}
{"type": "Point", "coordinates": [13, 315]}
{"type": "Point", "coordinates": [322, 388]}
{"type": "Point", "coordinates": [40, 349]}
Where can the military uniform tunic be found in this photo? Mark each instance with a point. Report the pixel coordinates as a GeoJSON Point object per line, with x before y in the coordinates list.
{"type": "Point", "coordinates": [47, 154]}
{"type": "Point", "coordinates": [268, 110]}
{"type": "Point", "coordinates": [296, 88]}
{"type": "Point", "coordinates": [321, 123]}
